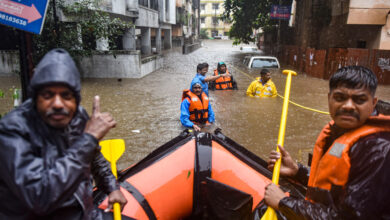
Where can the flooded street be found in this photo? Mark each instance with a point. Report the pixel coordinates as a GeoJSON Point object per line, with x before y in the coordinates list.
{"type": "Point", "coordinates": [147, 110]}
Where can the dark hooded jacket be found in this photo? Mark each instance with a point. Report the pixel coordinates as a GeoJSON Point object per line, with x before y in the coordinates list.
{"type": "Point", "coordinates": [46, 173]}
{"type": "Point", "coordinates": [367, 193]}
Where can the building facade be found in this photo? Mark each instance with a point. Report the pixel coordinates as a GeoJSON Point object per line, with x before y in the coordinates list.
{"type": "Point", "coordinates": [153, 21]}
{"type": "Point", "coordinates": [210, 18]}
{"type": "Point", "coordinates": [186, 29]}
{"type": "Point", "coordinates": [323, 24]}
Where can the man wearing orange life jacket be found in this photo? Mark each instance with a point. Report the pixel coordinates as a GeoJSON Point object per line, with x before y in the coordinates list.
{"type": "Point", "coordinates": [224, 82]}
{"type": "Point", "coordinates": [195, 108]}
{"type": "Point", "coordinates": [349, 175]}
{"type": "Point", "coordinates": [204, 80]}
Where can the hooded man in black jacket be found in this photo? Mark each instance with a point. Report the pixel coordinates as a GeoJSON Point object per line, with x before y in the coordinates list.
{"type": "Point", "coordinates": [49, 149]}
{"type": "Point", "coordinates": [349, 174]}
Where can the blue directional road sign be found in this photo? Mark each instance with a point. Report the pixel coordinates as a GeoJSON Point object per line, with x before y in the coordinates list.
{"type": "Point", "coordinates": [28, 15]}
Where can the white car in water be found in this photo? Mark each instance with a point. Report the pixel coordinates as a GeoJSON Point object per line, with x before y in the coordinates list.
{"type": "Point", "coordinates": [259, 62]}
{"type": "Point", "coordinates": [250, 50]}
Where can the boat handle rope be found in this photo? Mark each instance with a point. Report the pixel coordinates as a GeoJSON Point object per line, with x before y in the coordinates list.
{"type": "Point", "coordinates": [280, 96]}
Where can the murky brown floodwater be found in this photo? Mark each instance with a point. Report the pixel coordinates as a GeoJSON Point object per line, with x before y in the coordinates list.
{"type": "Point", "coordinates": [151, 105]}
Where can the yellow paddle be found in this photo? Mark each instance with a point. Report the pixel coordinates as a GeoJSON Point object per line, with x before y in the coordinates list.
{"type": "Point", "coordinates": [112, 150]}
{"type": "Point", "coordinates": [270, 214]}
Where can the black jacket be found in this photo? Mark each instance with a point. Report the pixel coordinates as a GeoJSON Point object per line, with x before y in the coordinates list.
{"type": "Point", "coordinates": [46, 173]}
{"type": "Point", "coordinates": [367, 193]}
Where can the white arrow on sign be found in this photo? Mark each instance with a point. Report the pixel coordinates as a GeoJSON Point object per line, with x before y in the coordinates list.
{"type": "Point", "coordinates": [20, 10]}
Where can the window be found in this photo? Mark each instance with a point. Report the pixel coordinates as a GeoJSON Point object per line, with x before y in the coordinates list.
{"type": "Point", "coordinates": [264, 63]}
{"type": "Point", "coordinates": [361, 44]}
{"type": "Point", "coordinates": [143, 2]}
{"type": "Point", "coordinates": [202, 20]}
{"type": "Point", "coordinates": [215, 20]}
{"type": "Point", "coordinates": [202, 7]}
{"type": "Point", "coordinates": [214, 33]}
{"type": "Point", "coordinates": [167, 8]}
{"type": "Point", "coordinates": [154, 4]}
{"type": "Point", "coordinates": [215, 6]}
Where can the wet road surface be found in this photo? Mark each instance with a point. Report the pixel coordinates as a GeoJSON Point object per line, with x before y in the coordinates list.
{"type": "Point", "coordinates": [147, 110]}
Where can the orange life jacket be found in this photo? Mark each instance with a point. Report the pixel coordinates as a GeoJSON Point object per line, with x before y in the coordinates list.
{"type": "Point", "coordinates": [331, 169]}
{"type": "Point", "coordinates": [224, 82]}
{"type": "Point", "coordinates": [199, 109]}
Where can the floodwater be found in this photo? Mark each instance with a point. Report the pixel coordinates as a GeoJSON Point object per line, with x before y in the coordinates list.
{"type": "Point", "coordinates": [147, 110]}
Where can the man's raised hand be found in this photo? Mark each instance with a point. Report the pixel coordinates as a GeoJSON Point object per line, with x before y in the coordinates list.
{"type": "Point", "coordinates": [100, 123]}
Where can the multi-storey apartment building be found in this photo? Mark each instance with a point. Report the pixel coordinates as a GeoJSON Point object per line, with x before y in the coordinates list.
{"type": "Point", "coordinates": [210, 13]}
{"type": "Point", "coordinates": [187, 22]}
{"type": "Point", "coordinates": [139, 52]}
{"type": "Point", "coordinates": [326, 24]}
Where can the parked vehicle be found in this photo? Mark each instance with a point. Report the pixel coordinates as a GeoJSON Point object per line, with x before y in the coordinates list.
{"type": "Point", "coordinates": [261, 62]}
{"type": "Point", "coordinates": [250, 50]}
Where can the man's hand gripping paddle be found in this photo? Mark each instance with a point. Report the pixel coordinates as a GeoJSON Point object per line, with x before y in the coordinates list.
{"type": "Point", "coordinates": [270, 214]}
{"type": "Point", "coordinates": [112, 150]}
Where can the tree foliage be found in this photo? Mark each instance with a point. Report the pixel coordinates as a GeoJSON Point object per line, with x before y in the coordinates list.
{"type": "Point", "coordinates": [246, 16]}
{"type": "Point", "coordinates": [203, 33]}
{"type": "Point", "coordinates": [78, 35]}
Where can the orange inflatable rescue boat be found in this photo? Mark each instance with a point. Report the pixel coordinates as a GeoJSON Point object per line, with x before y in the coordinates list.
{"type": "Point", "coordinates": [197, 176]}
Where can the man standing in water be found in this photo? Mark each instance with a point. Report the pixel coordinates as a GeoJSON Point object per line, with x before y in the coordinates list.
{"type": "Point", "coordinates": [223, 83]}
{"type": "Point", "coordinates": [201, 77]}
{"type": "Point", "coordinates": [349, 177]}
{"type": "Point", "coordinates": [49, 149]}
{"type": "Point", "coordinates": [196, 111]}
{"type": "Point", "coordinates": [262, 86]}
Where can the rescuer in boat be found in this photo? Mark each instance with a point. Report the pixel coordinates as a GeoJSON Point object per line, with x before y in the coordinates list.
{"type": "Point", "coordinates": [201, 77]}
{"type": "Point", "coordinates": [224, 82]}
{"type": "Point", "coordinates": [49, 149]}
{"type": "Point", "coordinates": [262, 86]}
{"type": "Point", "coordinates": [196, 111]}
{"type": "Point", "coordinates": [349, 175]}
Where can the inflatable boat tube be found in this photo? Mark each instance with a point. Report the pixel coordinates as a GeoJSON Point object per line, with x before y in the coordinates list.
{"type": "Point", "coordinates": [197, 176]}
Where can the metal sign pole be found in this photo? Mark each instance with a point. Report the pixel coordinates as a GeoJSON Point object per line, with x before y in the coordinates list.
{"type": "Point", "coordinates": [25, 61]}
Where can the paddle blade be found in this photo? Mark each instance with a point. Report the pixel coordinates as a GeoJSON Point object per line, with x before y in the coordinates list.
{"type": "Point", "coordinates": [112, 149]}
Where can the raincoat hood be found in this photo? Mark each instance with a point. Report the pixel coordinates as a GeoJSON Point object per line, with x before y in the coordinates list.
{"type": "Point", "coordinates": [195, 81]}
{"type": "Point", "coordinates": [56, 67]}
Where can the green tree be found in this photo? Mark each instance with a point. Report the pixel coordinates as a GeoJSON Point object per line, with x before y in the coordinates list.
{"type": "Point", "coordinates": [247, 15]}
{"type": "Point", "coordinates": [203, 33]}
{"type": "Point", "coordinates": [78, 36]}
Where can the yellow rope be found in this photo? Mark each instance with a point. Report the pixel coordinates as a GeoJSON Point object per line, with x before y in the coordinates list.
{"type": "Point", "coordinates": [296, 104]}
{"type": "Point", "coordinates": [307, 108]}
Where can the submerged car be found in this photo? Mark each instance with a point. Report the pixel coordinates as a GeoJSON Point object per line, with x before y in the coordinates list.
{"type": "Point", "coordinates": [269, 62]}
{"type": "Point", "coordinates": [250, 50]}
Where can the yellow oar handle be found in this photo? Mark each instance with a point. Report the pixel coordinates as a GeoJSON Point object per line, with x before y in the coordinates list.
{"type": "Point", "coordinates": [286, 72]}
{"type": "Point", "coordinates": [270, 214]}
{"type": "Point", "coordinates": [117, 211]}
{"type": "Point", "coordinates": [283, 121]}
{"type": "Point", "coordinates": [112, 150]}
{"type": "Point", "coordinates": [117, 207]}
{"type": "Point", "coordinates": [114, 170]}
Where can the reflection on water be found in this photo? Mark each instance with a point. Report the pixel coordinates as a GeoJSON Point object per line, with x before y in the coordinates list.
{"type": "Point", "coordinates": [147, 110]}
